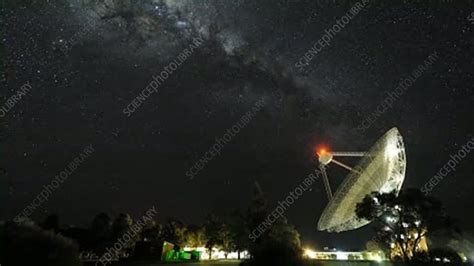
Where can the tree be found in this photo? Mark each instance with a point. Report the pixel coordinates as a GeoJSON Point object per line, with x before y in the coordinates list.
{"type": "Point", "coordinates": [196, 236]}
{"type": "Point", "coordinates": [226, 240]}
{"type": "Point", "coordinates": [238, 227]}
{"type": "Point", "coordinates": [373, 246]}
{"type": "Point", "coordinates": [28, 244]}
{"type": "Point", "coordinates": [82, 236]}
{"type": "Point", "coordinates": [213, 227]}
{"type": "Point", "coordinates": [51, 223]}
{"type": "Point", "coordinates": [257, 212]}
{"type": "Point", "coordinates": [279, 244]}
{"type": "Point", "coordinates": [174, 231]}
{"type": "Point", "coordinates": [152, 231]}
{"type": "Point", "coordinates": [121, 225]}
{"type": "Point", "coordinates": [283, 232]}
{"type": "Point", "coordinates": [404, 221]}
{"type": "Point", "coordinates": [101, 225]}
{"type": "Point", "coordinates": [280, 247]}
{"type": "Point", "coordinates": [101, 230]}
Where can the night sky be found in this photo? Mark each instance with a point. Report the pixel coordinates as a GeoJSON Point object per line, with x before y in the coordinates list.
{"type": "Point", "coordinates": [87, 60]}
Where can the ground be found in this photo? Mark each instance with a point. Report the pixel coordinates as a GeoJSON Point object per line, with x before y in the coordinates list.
{"type": "Point", "coordinates": [236, 263]}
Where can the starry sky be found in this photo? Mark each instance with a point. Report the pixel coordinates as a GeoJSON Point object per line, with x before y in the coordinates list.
{"type": "Point", "coordinates": [87, 59]}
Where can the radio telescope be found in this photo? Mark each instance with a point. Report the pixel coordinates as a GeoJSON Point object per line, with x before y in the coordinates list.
{"type": "Point", "coordinates": [381, 169]}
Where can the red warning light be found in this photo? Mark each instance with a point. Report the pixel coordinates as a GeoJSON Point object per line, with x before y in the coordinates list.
{"type": "Point", "coordinates": [322, 150]}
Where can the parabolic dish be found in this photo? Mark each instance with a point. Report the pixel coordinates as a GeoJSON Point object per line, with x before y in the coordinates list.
{"type": "Point", "coordinates": [382, 169]}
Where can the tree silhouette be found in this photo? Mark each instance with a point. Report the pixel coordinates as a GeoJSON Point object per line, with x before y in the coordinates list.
{"type": "Point", "coordinates": [152, 231]}
{"type": "Point", "coordinates": [238, 227]}
{"type": "Point", "coordinates": [51, 222]}
{"type": "Point", "coordinates": [258, 210]}
{"type": "Point", "coordinates": [121, 225]}
{"type": "Point", "coordinates": [213, 227]}
{"type": "Point", "coordinates": [101, 231]}
{"type": "Point", "coordinates": [28, 244]}
{"type": "Point", "coordinates": [403, 221]}
{"type": "Point", "coordinates": [226, 239]}
{"type": "Point", "coordinates": [279, 244]}
{"type": "Point", "coordinates": [174, 231]}
{"type": "Point", "coordinates": [196, 236]}
{"type": "Point", "coordinates": [82, 236]}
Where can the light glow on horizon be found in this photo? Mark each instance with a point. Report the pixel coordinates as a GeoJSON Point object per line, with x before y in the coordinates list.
{"type": "Point", "coordinates": [218, 254]}
{"type": "Point", "coordinates": [377, 256]}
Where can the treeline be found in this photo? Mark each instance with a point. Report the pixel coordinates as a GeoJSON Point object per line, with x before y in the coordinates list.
{"type": "Point", "coordinates": [50, 243]}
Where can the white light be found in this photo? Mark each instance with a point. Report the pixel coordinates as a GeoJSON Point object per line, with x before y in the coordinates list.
{"type": "Point", "coordinates": [341, 255]}
{"type": "Point", "coordinates": [378, 258]}
{"type": "Point", "coordinates": [217, 254]}
{"type": "Point", "coordinates": [390, 219]}
{"type": "Point", "coordinates": [309, 253]}
{"type": "Point", "coordinates": [182, 24]}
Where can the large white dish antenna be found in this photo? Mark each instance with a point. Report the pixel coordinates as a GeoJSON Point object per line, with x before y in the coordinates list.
{"type": "Point", "coordinates": [381, 169]}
